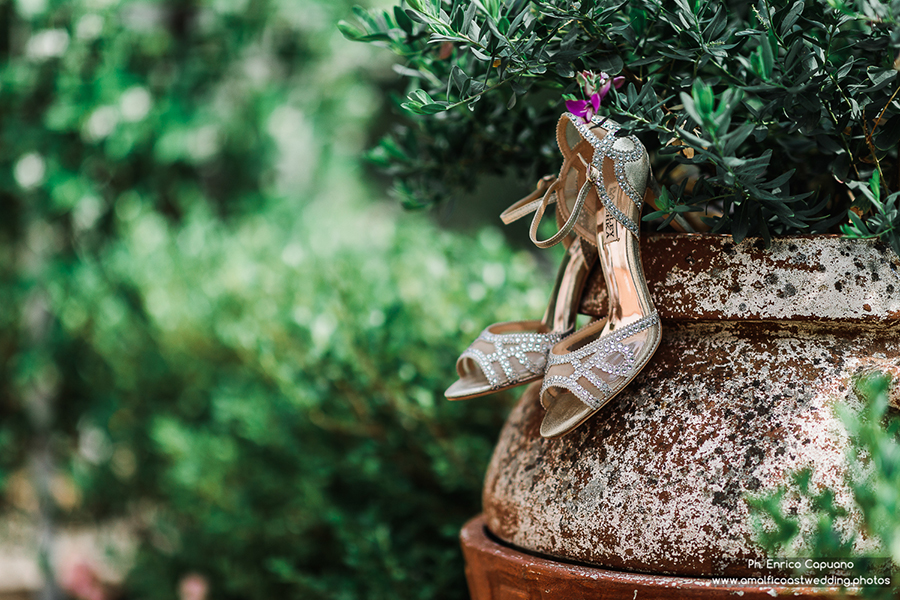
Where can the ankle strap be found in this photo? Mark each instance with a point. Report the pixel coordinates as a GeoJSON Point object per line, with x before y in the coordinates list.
{"type": "Point", "coordinates": [529, 203]}
{"type": "Point", "coordinates": [538, 205]}
{"type": "Point", "coordinates": [567, 227]}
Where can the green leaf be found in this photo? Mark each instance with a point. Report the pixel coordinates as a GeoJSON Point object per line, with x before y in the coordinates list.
{"type": "Point", "coordinates": [880, 77]}
{"type": "Point", "coordinates": [741, 224]}
{"type": "Point", "coordinates": [403, 20]}
{"type": "Point", "coordinates": [351, 32]}
{"type": "Point", "coordinates": [654, 215]}
{"type": "Point", "coordinates": [844, 69]}
{"type": "Point", "coordinates": [460, 80]}
{"type": "Point", "coordinates": [609, 63]}
{"type": "Point", "coordinates": [565, 71]}
{"type": "Point", "coordinates": [433, 108]}
{"type": "Point", "coordinates": [419, 96]}
{"type": "Point", "coordinates": [480, 55]}
{"type": "Point", "coordinates": [716, 25]}
{"type": "Point", "coordinates": [858, 224]}
{"type": "Point", "coordinates": [734, 139]}
{"type": "Point", "coordinates": [417, 16]}
{"type": "Point", "coordinates": [887, 135]}
{"type": "Point", "coordinates": [469, 16]}
{"type": "Point", "coordinates": [875, 187]}
{"type": "Point", "coordinates": [781, 179]}
{"type": "Point", "coordinates": [791, 17]}
{"type": "Point", "coordinates": [517, 22]}
{"type": "Point", "coordinates": [763, 59]}
{"type": "Point", "coordinates": [690, 107]}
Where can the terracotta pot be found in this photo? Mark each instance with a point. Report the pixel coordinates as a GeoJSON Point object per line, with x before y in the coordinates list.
{"type": "Point", "coordinates": [497, 572]}
{"type": "Point", "coordinates": [758, 346]}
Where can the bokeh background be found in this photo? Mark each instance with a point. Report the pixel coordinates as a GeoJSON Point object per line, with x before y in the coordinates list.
{"type": "Point", "coordinates": [223, 345]}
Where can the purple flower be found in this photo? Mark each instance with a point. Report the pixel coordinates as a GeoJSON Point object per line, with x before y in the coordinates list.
{"type": "Point", "coordinates": [585, 109]}
{"type": "Point", "coordinates": [596, 87]}
{"type": "Point", "coordinates": [606, 83]}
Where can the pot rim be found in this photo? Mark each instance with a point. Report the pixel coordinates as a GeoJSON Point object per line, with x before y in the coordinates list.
{"type": "Point", "coordinates": [807, 277]}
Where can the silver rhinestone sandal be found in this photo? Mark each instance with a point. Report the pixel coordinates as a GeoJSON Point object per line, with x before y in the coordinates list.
{"type": "Point", "coordinates": [490, 363]}
{"type": "Point", "coordinates": [587, 369]}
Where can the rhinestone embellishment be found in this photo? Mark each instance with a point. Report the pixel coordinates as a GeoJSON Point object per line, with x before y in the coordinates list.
{"type": "Point", "coordinates": [618, 214]}
{"type": "Point", "coordinates": [512, 345]}
{"type": "Point", "coordinates": [596, 356]}
{"type": "Point", "coordinates": [606, 148]}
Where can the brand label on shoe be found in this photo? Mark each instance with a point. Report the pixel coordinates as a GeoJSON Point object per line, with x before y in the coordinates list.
{"type": "Point", "coordinates": [611, 227]}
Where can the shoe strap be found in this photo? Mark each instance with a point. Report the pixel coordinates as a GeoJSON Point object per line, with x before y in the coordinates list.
{"type": "Point", "coordinates": [538, 205]}
{"type": "Point", "coordinates": [566, 227]}
{"type": "Point", "coordinates": [529, 203]}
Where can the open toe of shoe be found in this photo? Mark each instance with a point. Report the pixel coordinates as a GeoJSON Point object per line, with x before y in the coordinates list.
{"type": "Point", "coordinates": [505, 355]}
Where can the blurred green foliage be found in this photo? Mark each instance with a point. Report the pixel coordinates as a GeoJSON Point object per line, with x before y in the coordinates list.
{"type": "Point", "coordinates": [206, 321]}
{"type": "Point", "coordinates": [280, 394]}
{"type": "Point", "coordinates": [874, 470]}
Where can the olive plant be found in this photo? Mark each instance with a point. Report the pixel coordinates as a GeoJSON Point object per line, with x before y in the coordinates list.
{"type": "Point", "coordinates": [772, 118]}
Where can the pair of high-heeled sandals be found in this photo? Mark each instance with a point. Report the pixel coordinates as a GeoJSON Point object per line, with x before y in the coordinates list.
{"type": "Point", "coordinates": [599, 193]}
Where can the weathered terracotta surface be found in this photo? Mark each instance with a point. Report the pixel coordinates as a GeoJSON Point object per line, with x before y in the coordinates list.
{"type": "Point", "coordinates": [498, 572]}
{"type": "Point", "coordinates": [757, 348]}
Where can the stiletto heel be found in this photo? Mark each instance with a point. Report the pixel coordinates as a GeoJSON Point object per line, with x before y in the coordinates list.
{"type": "Point", "coordinates": [587, 369]}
